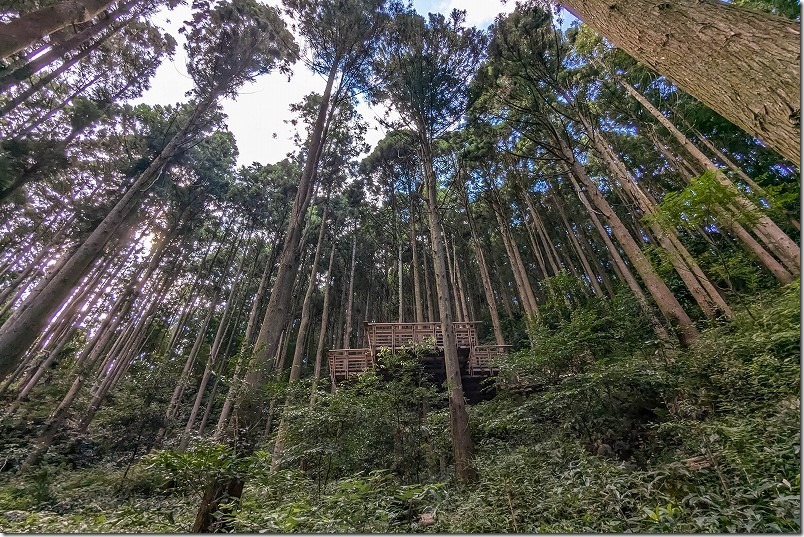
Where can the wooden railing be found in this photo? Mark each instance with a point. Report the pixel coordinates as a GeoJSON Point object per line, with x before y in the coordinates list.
{"type": "Point", "coordinates": [398, 335]}
{"type": "Point", "coordinates": [346, 363]}
{"type": "Point", "coordinates": [466, 334]}
{"type": "Point", "coordinates": [481, 358]}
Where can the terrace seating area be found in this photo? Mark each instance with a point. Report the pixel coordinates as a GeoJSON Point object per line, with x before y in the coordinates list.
{"type": "Point", "coordinates": [476, 360]}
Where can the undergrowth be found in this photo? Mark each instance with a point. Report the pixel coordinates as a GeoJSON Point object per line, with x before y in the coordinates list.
{"type": "Point", "coordinates": [597, 428]}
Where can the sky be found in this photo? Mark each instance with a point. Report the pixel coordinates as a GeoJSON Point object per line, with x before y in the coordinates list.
{"type": "Point", "coordinates": [258, 116]}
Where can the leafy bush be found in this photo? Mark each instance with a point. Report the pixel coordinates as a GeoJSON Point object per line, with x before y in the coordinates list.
{"type": "Point", "coordinates": [380, 420]}
{"type": "Point", "coordinates": [702, 440]}
{"type": "Point", "coordinates": [205, 463]}
{"type": "Point", "coordinates": [596, 428]}
{"type": "Point", "coordinates": [365, 503]}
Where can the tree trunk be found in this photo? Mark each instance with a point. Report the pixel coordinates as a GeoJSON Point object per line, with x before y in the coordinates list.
{"type": "Point", "coordinates": [34, 263]}
{"type": "Point", "coordinates": [418, 307]}
{"type": "Point", "coordinates": [667, 303]}
{"type": "Point", "coordinates": [184, 377]}
{"type": "Point", "coordinates": [687, 172]}
{"type": "Point", "coordinates": [619, 263]}
{"type": "Point", "coordinates": [263, 287]}
{"type": "Point", "coordinates": [232, 333]}
{"type": "Point", "coordinates": [276, 313]}
{"type": "Point", "coordinates": [777, 240]}
{"type": "Point", "coordinates": [251, 325]}
{"type": "Point", "coordinates": [588, 246]}
{"type": "Point", "coordinates": [86, 362]}
{"type": "Point", "coordinates": [54, 74]}
{"type": "Point", "coordinates": [347, 331]}
{"type": "Point", "coordinates": [461, 290]}
{"type": "Point", "coordinates": [744, 177]}
{"type": "Point", "coordinates": [22, 32]}
{"type": "Point", "coordinates": [485, 279]}
{"type": "Point", "coordinates": [16, 338]}
{"type": "Point", "coordinates": [304, 323]}
{"type": "Point", "coordinates": [125, 352]}
{"type": "Point", "coordinates": [502, 289]}
{"type": "Point", "coordinates": [699, 285]}
{"type": "Point", "coordinates": [428, 290]}
{"type": "Point", "coordinates": [459, 418]}
{"type": "Point", "coordinates": [213, 354]}
{"type": "Point", "coordinates": [319, 353]}
{"type": "Point", "coordinates": [267, 342]}
{"type": "Point", "coordinates": [742, 63]}
{"type": "Point", "coordinates": [62, 331]}
{"type": "Point", "coordinates": [558, 204]}
{"type": "Point", "coordinates": [457, 311]}
{"type": "Point", "coordinates": [515, 261]}
{"type": "Point", "coordinates": [533, 238]}
{"type": "Point", "coordinates": [29, 383]}
{"type": "Point", "coordinates": [550, 250]}
{"type": "Point", "coordinates": [216, 493]}
{"type": "Point", "coordinates": [39, 62]}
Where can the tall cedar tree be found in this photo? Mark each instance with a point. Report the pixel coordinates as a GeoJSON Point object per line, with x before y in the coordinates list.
{"type": "Point", "coordinates": [228, 45]}
{"type": "Point", "coordinates": [340, 37]}
{"type": "Point", "coordinates": [742, 63]}
{"type": "Point", "coordinates": [422, 71]}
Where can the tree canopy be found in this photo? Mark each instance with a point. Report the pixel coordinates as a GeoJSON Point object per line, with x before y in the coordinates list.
{"type": "Point", "coordinates": [560, 292]}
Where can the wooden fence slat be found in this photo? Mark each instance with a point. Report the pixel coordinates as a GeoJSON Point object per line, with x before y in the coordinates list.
{"type": "Point", "coordinates": [344, 363]}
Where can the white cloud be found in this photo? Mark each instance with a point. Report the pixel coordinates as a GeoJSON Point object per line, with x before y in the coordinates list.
{"type": "Point", "coordinates": [262, 108]}
{"type": "Point", "coordinates": [480, 13]}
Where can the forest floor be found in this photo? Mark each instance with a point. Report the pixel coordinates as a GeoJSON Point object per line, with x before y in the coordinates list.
{"type": "Point", "coordinates": [635, 439]}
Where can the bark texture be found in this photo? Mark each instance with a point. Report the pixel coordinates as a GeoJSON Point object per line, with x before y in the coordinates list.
{"type": "Point", "coordinates": [22, 32]}
{"type": "Point", "coordinates": [741, 63]}
{"type": "Point", "coordinates": [462, 447]}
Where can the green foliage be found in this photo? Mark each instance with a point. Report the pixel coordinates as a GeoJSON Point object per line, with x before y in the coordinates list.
{"type": "Point", "coordinates": [734, 270]}
{"type": "Point", "coordinates": [696, 204]}
{"type": "Point", "coordinates": [785, 8]}
{"type": "Point", "coordinates": [96, 500]}
{"type": "Point", "coordinates": [595, 426]}
{"type": "Point", "coordinates": [423, 66]}
{"type": "Point", "coordinates": [575, 329]}
{"type": "Point", "coordinates": [752, 361]}
{"type": "Point", "coordinates": [555, 486]}
{"type": "Point", "coordinates": [230, 43]}
{"type": "Point", "coordinates": [781, 201]}
{"type": "Point", "coordinates": [615, 436]}
{"type": "Point", "coordinates": [18, 158]}
{"type": "Point", "coordinates": [381, 419]}
{"type": "Point", "coordinates": [704, 440]}
{"type": "Point", "coordinates": [364, 503]}
{"type": "Point", "coordinates": [205, 463]}
{"type": "Point", "coordinates": [341, 35]}
{"type": "Point", "coordinates": [586, 40]}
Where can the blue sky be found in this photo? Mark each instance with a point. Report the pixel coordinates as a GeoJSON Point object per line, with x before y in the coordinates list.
{"type": "Point", "coordinates": [258, 116]}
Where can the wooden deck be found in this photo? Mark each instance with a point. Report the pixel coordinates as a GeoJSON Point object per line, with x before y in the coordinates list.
{"type": "Point", "coordinates": [478, 360]}
{"type": "Point", "coordinates": [401, 335]}
{"type": "Point", "coordinates": [346, 363]}
{"type": "Point", "coordinates": [482, 357]}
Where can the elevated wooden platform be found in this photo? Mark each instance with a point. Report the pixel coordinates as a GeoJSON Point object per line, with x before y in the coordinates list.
{"type": "Point", "coordinates": [401, 335]}
{"type": "Point", "coordinates": [476, 360]}
{"type": "Point", "coordinates": [346, 363]}
{"type": "Point", "coordinates": [482, 357]}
